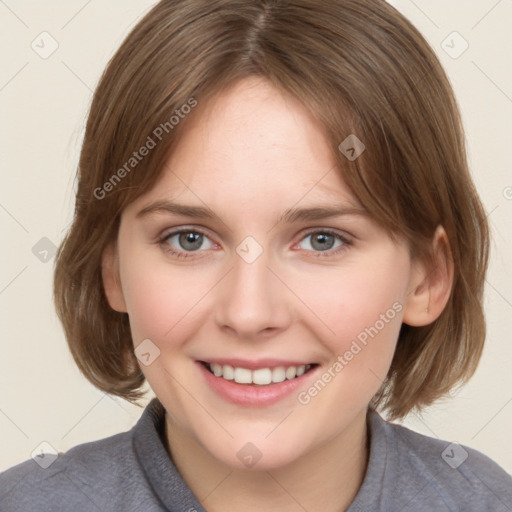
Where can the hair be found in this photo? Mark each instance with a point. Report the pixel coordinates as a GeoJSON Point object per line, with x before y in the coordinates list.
{"type": "Point", "coordinates": [359, 68]}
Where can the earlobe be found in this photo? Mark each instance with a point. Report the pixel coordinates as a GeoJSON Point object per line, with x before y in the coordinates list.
{"type": "Point", "coordinates": [111, 278]}
{"type": "Point", "coordinates": [431, 284]}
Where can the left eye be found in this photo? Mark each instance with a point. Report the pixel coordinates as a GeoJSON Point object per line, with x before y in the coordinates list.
{"type": "Point", "coordinates": [321, 241]}
{"type": "Point", "coordinates": [189, 241]}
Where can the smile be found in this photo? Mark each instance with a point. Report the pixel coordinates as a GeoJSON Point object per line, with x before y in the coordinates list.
{"type": "Point", "coordinates": [256, 383]}
{"type": "Point", "coordinates": [260, 376]}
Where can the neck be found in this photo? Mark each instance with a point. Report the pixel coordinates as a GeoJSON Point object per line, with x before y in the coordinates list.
{"type": "Point", "coordinates": [326, 479]}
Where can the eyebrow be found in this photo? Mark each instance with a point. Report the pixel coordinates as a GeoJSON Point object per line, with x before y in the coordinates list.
{"type": "Point", "coordinates": [317, 213]}
{"type": "Point", "coordinates": [289, 216]}
{"type": "Point", "coordinates": [197, 212]}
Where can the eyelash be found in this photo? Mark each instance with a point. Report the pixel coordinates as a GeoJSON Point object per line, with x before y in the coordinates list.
{"type": "Point", "coordinates": [163, 242]}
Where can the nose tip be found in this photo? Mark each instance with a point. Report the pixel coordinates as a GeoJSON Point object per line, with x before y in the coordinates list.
{"type": "Point", "coordinates": [252, 302]}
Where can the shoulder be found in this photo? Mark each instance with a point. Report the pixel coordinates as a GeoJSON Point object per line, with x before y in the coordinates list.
{"type": "Point", "coordinates": [82, 477]}
{"type": "Point", "coordinates": [456, 475]}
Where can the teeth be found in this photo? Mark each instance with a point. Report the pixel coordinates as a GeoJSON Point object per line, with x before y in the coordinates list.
{"type": "Point", "coordinates": [278, 374]}
{"type": "Point", "coordinates": [216, 369]}
{"type": "Point", "coordinates": [243, 376]}
{"type": "Point", "coordinates": [291, 372]}
{"type": "Point", "coordinates": [228, 372]}
{"type": "Point", "coordinates": [260, 377]}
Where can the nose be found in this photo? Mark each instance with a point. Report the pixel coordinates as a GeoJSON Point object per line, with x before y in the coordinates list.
{"type": "Point", "coordinates": [252, 302]}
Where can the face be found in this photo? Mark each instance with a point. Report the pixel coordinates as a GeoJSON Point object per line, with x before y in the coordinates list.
{"type": "Point", "coordinates": [251, 261]}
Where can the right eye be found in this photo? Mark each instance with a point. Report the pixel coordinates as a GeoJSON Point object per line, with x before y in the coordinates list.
{"type": "Point", "coordinates": [186, 241]}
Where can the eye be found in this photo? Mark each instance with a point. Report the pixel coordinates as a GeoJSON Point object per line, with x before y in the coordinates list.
{"type": "Point", "coordinates": [322, 241]}
{"type": "Point", "coordinates": [186, 241]}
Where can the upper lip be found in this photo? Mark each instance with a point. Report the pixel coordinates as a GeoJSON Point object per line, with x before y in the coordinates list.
{"type": "Point", "coordinates": [255, 364]}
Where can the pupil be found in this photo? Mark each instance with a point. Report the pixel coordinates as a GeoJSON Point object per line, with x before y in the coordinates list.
{"type": "Point", "coordinates": [322, 241]}
{"type": "Point", "coordinates": [191, 241]}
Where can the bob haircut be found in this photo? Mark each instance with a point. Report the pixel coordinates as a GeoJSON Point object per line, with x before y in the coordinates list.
{"type": "Point", "coordinates": [359, 68]}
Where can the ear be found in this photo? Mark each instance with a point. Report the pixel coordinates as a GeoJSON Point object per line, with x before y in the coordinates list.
{"type": "Point", "coordinates": [111, 278]}
{"type": "Point", "coordinates": [431, 283]}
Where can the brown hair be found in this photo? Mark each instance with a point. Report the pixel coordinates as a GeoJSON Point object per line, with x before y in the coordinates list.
{"type": "Point", "coordinates": [360, 68]}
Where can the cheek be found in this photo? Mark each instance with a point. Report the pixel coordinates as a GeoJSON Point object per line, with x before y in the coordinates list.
{"type": "Point", "coordinates": [358, 310]}
{"type": "Point", "coordinates": [160, 300]}
{"type": "Point", "coordinates": [363, 312]}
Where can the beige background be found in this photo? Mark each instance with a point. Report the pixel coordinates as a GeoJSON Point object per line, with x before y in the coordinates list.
{"type": "Point", "coordinates": [43, 104]}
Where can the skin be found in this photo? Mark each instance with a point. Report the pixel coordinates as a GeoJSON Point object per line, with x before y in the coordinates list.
{"type": "Point", "coordinates": [249, 155]}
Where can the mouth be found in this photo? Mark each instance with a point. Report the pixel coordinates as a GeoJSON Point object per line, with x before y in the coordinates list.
{"type": "Point", "coordinates": [262, 376]}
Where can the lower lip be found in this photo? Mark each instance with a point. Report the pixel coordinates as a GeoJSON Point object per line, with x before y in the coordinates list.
{"type": "Point", "coordinates": [252, 395]}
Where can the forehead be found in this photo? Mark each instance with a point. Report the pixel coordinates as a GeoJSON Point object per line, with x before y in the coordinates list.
{"type": "Point", "coordinates": [252, 143]}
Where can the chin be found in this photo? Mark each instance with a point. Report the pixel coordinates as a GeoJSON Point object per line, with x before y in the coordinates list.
{"type": "Point", "coordinates": [263, 455]}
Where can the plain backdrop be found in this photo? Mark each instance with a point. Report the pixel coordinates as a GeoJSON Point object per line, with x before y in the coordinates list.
{"type": "Point", "coordinates": [44, 104]}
